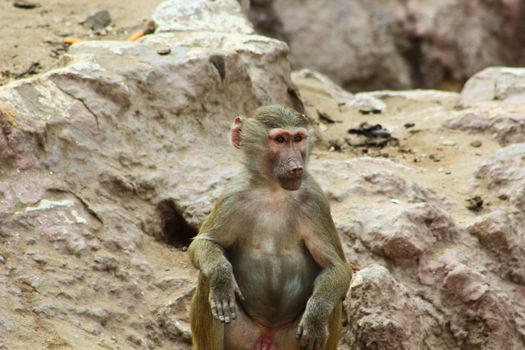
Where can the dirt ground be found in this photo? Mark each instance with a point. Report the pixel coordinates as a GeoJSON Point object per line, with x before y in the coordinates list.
{"type": "Point", "coordinates": [32, 40]}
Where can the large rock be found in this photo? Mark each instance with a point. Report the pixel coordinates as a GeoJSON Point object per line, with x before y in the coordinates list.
{"type": "Point", "coordinates": [503, 175]}
{"type": "Point", "coordinates": [502, 84]}
{"type": "Point", "coordinates": [433, 288]}
{"type": "Point", "coordinates": [506, 126]}
{"type": "Point", "coordinates": [375, 319]}
{"type": "Point", "coordinates": [109, 162]}
{"type": "Point", "coordinates": [396, 44]}
{"type": "Point", "coordinates": [392, 217]}
{"type": "Point", "coordinates": [476, 314]}
{"type": "Point", "coordinates": [502, 233]}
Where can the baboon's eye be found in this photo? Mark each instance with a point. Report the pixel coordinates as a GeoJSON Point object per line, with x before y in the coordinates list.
{"type": "Point", "coordinates": [280, 139]}
{"type": "Point", "coordinates": [297, 138]}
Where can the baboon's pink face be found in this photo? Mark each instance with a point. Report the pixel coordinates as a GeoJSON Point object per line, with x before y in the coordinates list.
{"type": "Point", "coordinates": [287, 150]}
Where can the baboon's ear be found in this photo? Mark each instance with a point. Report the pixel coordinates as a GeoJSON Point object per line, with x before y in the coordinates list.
{"type": "Point", "coordinates": [236, 132]}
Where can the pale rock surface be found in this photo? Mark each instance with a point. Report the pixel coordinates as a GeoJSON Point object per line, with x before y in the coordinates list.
{"type": "Point", "coordinates": [399, 220]}
{"type": "Point", "coordinates": [216, 16]}
{"type": "Point", "coordinates": [375, 319]}
{"type": "Point", "coordinates": [504, 175]}
{"type": "Point", "coordinates": [502, 84]}
{"type": "Point", "coordinates": [500, 232]}
{"type": "Point", "coordinates": [505, 126]}
{"type": "Point", "coordinates": [492, 103]}
{"type": "Point", "coordinates": [323, 84]}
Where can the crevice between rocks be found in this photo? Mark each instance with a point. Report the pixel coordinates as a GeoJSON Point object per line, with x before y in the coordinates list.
{"type": "Point", "coordinates": [176, 231]}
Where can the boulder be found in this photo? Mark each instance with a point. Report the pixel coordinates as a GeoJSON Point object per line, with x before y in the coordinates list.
{"type": "Point", "coordinates": [506, 127]}
{"type": "Point", "coordinates": [502, 233]}
{"type": "Point", "coordinates": [503, 84]}
{"type": "Point", "coordinates": [503, 175]}
{"type": "Point", "coordinates": [365, 45]}
{"type": "Point", "coordinates": [375, 319]}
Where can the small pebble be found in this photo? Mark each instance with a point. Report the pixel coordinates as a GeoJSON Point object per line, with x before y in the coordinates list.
{"type": "Point", "coordinates": [474, 203]}
{"type": "Point", "coordinates": [164, 51]}
{"type": "Point", "coordinates": [476, 143]}
{"type": "Point", "coordinates": [448, 143]}
{"type": "Point", "coordinates": [503, 197]}
{"type": "Point", "coordinates": [409, 125]}
{"type": "Point", "coordinates": [334, 144]}
{"type": "Point", "coordinates": [98, 20]}
{"type": "Point", "coordinates": [23, 4]}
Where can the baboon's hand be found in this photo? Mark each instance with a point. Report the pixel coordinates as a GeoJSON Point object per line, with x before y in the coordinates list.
{"type": "Point", "coordinates": [312, 332]}
{"type": "Point", "coordinates": [223, 289]}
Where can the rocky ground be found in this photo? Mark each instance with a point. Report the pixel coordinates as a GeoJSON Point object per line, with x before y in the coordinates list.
{"type": "Point", "coordinates": [110, 163]}
{"type": "Point", "coordinates": [32, 32]}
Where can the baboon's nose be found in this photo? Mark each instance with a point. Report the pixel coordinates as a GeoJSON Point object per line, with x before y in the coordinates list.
{"type": "Point", "coordinates": [296, 171]}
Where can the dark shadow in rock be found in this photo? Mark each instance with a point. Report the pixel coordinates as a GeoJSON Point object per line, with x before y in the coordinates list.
{"type": "Point", "coordinates": [175, 229]}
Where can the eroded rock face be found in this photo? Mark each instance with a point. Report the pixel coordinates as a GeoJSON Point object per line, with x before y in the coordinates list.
{"type": "Point", "coordinates": [399, 220]}
{"type": "Point", "coordinates": [397, 44]}
{"type": "Point", "coordinates": [109, 162]}
{"type": "Point", "coordinates": [376, 320]}
{"type": "Point", "coordinates": [504, 175]}
{"type": "Point", "coordinates": [502, 84]}
{"type": "Point", "coordinates": [501, 233]}
{"type": "Point", "coordinates": [423, 281]}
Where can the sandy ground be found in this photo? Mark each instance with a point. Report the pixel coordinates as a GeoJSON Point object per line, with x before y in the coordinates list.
{"type": "Point", "coordinates": [36, 36]}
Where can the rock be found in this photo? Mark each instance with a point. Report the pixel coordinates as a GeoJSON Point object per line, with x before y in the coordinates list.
{"type": "Point", "coordinates": [505, 127]}
{"type": "Point", "coordinates": [478, 314]}
{"type": "Point", "coordinates": [367, 104]}
{"type": "Point", "coordinates": [448, 143]}
{"type": "Point", "coordinates": [319, 82]}
{"type": "Point", "coordinates": [109, 164]}
{"type": "Point", "coordinates": [476, 144]}
{"type": "Point", "coordinates": [502, 84]}
{"type": "Point", "coordinates": [397, 45]}
{"type": "Point", "coordinates": [98, 20]}
{"type": "Point", "coordinates": [164, 51]}
{"type": "Point", "coordinates": [504, 174]}
{"type": "Point", "coordinates": [474, 203]}
{"type": "Point", "coordinates": [502, 233]}
{"type": "Point", "coordinates": [201, 15]}
{"type": "Point", "coordinates": [24, 4]}
{"type": "Point", "coordinates": [374, 317]}
{"type": "Point", "coordinates": [399, 231]}
{"type": "Point", "coordinates": [416, 97]}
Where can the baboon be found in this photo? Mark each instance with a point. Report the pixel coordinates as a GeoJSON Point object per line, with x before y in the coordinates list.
{"type": "Point", "coordinates": [272, 270]}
